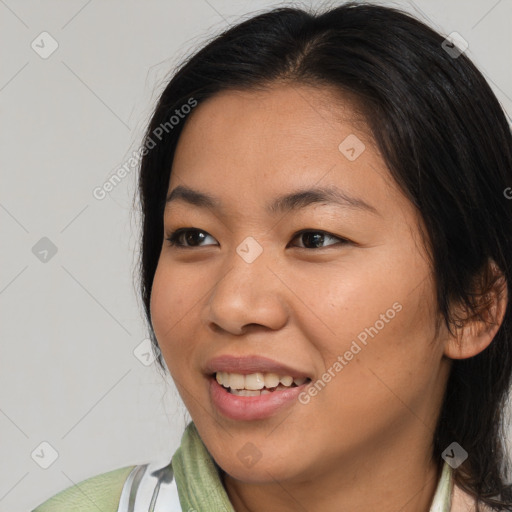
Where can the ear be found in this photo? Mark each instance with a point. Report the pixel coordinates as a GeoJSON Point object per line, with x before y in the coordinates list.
{"type": "Point", "coordinates": [476, 330]}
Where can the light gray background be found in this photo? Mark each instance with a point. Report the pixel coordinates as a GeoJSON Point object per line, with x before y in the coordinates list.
{"type": "Point", "coordinates": [69, 326]}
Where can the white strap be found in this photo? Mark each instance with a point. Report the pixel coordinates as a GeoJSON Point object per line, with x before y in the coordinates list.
{"type": "Point", "coordinates": [150, 488]}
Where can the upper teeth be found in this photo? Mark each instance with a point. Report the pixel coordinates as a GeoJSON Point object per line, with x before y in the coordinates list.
{"type": "Point", "coordinates": [256, 381]}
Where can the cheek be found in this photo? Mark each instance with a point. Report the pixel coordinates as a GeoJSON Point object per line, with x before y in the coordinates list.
{"type": "Point", "coordinates": [161, 304]}
{"type": "Point", "coordinates": [388, 364]}
{"type": "Point", "coordinates": [373, 327]}
{"type": "Point", "coordinates": [171, 306]}
{"type": "Point", "coordinates": [343, 303]}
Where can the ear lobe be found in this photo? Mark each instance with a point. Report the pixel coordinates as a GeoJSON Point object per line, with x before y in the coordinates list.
{"type": "Point", "coordinates": [476, 332]}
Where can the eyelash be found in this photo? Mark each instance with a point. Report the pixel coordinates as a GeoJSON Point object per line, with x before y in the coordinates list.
{"type": "Point", "coordinates": [173, 238]}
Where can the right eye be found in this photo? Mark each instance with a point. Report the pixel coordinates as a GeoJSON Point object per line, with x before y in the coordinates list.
{"type": "Point", "coordinates": [187, 238]}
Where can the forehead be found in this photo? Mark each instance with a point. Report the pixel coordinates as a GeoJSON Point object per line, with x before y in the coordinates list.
{"type": "Point", "coordinates": [284, 118]}
{"type": "Point", "coordinates": [250, 145]}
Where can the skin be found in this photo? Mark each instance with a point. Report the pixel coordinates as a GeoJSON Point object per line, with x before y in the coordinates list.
{"type": "Point", "coordinates": [371, 427]}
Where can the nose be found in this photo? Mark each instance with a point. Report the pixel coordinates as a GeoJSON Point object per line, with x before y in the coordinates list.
{"type": "Point", "coordinates": [247, 295]}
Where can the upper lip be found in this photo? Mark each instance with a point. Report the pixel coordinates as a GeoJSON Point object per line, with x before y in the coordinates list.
{"type": "Point", "coordinates": [250, 364]}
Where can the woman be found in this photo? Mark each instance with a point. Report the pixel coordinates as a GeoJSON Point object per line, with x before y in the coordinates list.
{"type": "Point", "coordinates": [325, 270]}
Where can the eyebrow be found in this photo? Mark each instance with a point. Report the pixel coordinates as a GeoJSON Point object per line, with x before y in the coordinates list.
{"type": "Point", "coordinates": [285, 203]}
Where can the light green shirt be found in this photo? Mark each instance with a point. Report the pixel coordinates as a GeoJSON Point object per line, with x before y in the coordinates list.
{"type": "Point", "coordinates": [198, 481]}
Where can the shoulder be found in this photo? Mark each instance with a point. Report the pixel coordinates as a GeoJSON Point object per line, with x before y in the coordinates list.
{"type": "Point", "coordinates": [100, 492]}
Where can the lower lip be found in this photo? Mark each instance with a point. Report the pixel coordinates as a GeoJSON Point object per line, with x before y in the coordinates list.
{"type": "Point", "coordinates": [247, 408]}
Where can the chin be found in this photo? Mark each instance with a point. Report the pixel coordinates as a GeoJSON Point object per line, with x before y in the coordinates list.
{"type": "Point", "coordinates": [266, 470]}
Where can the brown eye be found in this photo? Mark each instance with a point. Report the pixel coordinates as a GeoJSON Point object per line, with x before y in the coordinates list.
{"type": "Point", "coordinates": [187, 238]}
{"type": "Point", "coordinates": [315, 239]}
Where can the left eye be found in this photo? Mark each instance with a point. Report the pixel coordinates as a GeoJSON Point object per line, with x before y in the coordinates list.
{"type": "Point", "coordinates": [188, 238]}
{"type": "Point", "coordinates": [317, 237]}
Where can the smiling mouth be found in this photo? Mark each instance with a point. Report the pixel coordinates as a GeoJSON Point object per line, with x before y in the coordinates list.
{"type": "Point", "coordinates": [256, 384]}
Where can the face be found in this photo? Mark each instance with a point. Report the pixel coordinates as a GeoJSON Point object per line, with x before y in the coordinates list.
{"type": "Point", "coordinates": [348, 304]}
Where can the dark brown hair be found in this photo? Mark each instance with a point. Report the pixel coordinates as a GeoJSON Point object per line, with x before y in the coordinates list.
{"type": "Point", "coordinates": [447, 144]}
